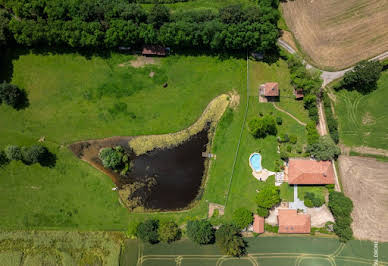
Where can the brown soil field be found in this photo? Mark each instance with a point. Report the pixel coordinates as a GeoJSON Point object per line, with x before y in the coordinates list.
{"type": "Point", "coordinates": [336, 34]}
{"type": "Point", "coordinates": [365, 181]}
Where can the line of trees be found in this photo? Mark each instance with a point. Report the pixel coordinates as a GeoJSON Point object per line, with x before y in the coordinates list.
{"type": "Point", "coordinates": [341, 208]}
{"type": "Point", "coordinates": [28, 155]}
{"type": "Point", "coordinates": [109, 24]}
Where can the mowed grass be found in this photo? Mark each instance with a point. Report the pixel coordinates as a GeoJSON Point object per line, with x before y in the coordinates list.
{"type": "Point", "coordinates": [75, 98]}
{"type": "Point", "coordinates": [204, 4]}
{"type": "Point", "coordinates": [363, 119]}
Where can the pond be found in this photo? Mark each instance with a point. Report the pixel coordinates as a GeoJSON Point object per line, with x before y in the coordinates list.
{"type": "Point", "coordinates": [178, 172]}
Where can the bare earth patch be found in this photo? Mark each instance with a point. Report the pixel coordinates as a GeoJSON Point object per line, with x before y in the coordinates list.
{"type": "Point", "coordinates": [287, 37]}
{"type": "Point", "coordinates": [337, 33]}
{"type": "Point", "coordinates": [365, 181]}
{"type": "Point", "coordinates": [368, 119]}
{"type": "Point", "coordinates": [141, 61]}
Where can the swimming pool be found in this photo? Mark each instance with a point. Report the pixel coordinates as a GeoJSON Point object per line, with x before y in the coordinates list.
{"type": "Point", "coordinates": [255, 161]}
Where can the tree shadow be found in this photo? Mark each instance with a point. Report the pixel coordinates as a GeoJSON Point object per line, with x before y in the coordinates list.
{"type": "Point", "coordinates": [50, 160]}
{"type": "Point", "coordinates": [23, 101]}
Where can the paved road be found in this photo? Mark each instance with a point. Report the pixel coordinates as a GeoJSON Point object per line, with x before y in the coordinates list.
{"type": "Point", "coordinates": [328, 76]}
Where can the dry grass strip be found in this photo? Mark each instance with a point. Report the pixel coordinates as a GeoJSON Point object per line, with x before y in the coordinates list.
{"type": "Point", "coordinates": [212, 114]}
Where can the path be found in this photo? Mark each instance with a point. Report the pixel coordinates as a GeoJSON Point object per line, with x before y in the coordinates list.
{"type": "Point", "coordinates": [364, 150]}
{"type": "Point", "coordinates": [293, 117]}
{"type": "Point", "coordinates": [322, 127]}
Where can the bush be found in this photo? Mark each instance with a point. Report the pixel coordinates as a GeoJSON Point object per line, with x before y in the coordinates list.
{"type": "Point", "coordinates": [13, 152]}
{"type": "Point", "coordinates": [284, 138]}
{"type": "Point", "coordinates": [271, 228]}
{"type": "Point", "coordinates": [324, 150]}
{"type": "Point", "coordinates": [263, 212]}
{"type": "Point", "coordinates": [200, 232]}
{"type": "Point", "coordinates": [310, 200]}
{"type": "Point", "coordinates": [242, 217]}
{"type": "Point", "coordinates": [260, 127]}
{"type": "Point", "coordinates": [341, 207]}
{"type": "Point", "coordinates": [312, 133]}
{"type": "Point", "coordinates": [230, 241]}
{"type": "Point", "coordinates": [148, 231]}
{"type": "Point", "coordinates": [34, 154]}
{"type": "Point", "coordinates": [169, 232]}
{"type": "Point", "coordinates": [279, 120]}
{"type": "Point", "coordinates": [115, 158]}
{"type": "Point", "coordinates": [293, 139]}
{"type": "Point", "coordinates": [12, 95]}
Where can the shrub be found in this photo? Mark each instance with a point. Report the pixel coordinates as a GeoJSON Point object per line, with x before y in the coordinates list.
{"type": "Point", "coordinates": [200, 232]}
{"type": "Point", "coordinates": [169, 232]}
{"type": "Point", "coordinates": [260, 127]}
{"type": "Point", "coordinates": [271, 228]}
{"type": "Point", "coordinates": [341, 207]}
{"type": "Point", "coordinates": [279, 120]}
{"type": "Point", "coordinates": [34, 154]}
{"type": "Point", "coordinates": [311, 200]}
{"type": "Point", "coordinates": [13, 152]}
{"type": "Point", "coordinates": [312, 133]}
{"type": "Point", "coordinates": [284, 155]}
{"type": "Point", "coordinates": [242, 217]}
{"type": "Point", "coordinates": [148, 231]}
{"type": "Point", "coordinates": [284, 138]}
{"type": "Point", "coordinates": [263, 212]}
{"type": "Point", "coordinates": [293, 139]}
{"type": "Point", "coordinates": [324, 150]}
{"type": "Point", "coordinates": [111, 157]}
{"type": "Point", "coordinates": [11, 95]}
{"type": "Point", "coordinates": [230, 241]}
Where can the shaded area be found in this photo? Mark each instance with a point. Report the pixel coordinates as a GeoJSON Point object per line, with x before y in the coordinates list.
{"type": "Point", "coordinates": [178, 171]}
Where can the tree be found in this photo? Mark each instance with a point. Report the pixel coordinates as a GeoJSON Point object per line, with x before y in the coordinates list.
{"type": "Point", "coordinates": [268, 197]}
{"type": "Point", "coordinates": [310, 101]}
{"type": "Point", "coordinates": [4, 31]}
{"type": "Point", "coordinates": [34, 154]}
{"type": "Point", "coordinates": [312, 133]}
{"type": "Point", "coordinates": [200, 232]}
{"type": "Point", "coordinates": [242, 217]}
{"type": "Point", "coordinates": [363, 77]}
{"type": "Point", "coordinates": [158, 15]}
{"type": "Point", "coordinates": [339, 204]}
{"type": "Point", "coordinates": [260, 127]}
{"type": "Point", "coordinates": [148, 231]}
{"type": "Point", "coordinates": [263, 212]}
{"type": "Point", "coordinates": [232, 14]}
{"type": "Point", "coordinates": [13, 152]}
{"type": "Point", "coordinates": [169, 231]}
{"type": "Point", "coordinates": [110, 158]}
{"type": "Point", "coordinates": [12, 95]}
{"type": "Point", "coordinates": [324, 150]}
{"type": "Point", "coordinates": [230, 241]}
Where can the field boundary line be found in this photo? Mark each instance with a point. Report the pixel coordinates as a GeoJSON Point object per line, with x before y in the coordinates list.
{"type": "Point", "coordinates": [241, 132]}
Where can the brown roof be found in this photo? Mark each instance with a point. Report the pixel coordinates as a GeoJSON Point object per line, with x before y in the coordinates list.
{"type": "Point", "coordinates": [154, 50]}
{"type": "Point", "coordinates": [258, 224]}
{"type": "Point", "coordinates": [270, 89]}
{"type": "Point", "coordinates": [310, 172]}
{"type": "Point", "coordinates": [292, 222]}
{"type": "Point", "coordinates": [299, 93]}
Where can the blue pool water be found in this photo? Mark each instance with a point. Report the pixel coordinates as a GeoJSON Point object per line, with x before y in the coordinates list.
{"type": "Point", "coordinates": [255, 160]}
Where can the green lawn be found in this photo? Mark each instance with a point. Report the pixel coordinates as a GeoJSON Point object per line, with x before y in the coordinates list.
{"type": "Point", "coordinates": [363, 119]}
{"type": "Point", "coordinates": [76, 98]}
{"type": "Point", "coordinates": [287, 192]}
{"type": "Point", "coordinates": [203, 4]}
{"type": "Point", "coordinates": [319, 191]}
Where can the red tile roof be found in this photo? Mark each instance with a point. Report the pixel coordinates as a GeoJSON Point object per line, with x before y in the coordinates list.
{"type": "Point", "coordinates": [270, 89]}
{"type": "Point", "coordinates": [310, 172]}
{"type": "Point", "coordinates": [292, 222]}
{"type": "Point", "coordinates": [154, 50]}
{"type": "Point", "coordinates": [258, 224]}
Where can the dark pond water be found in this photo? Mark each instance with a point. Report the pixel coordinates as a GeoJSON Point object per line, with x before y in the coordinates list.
{"type": "Point", "coordinates": [178, 172]}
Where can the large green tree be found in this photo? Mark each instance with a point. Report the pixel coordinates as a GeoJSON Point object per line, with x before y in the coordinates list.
{"type": "Point", "coordinates": [242, 217]}
{"type": "Point", "coordinates": [4, 28]}
{"type": "Point", "coordinates": [200, 231]}
{"type": "Point", "coordinates": [148, 231]}
{"type": "Point", "coordinates": [324, 150]}
{"type": "Point", "coordinates": [230, 241]}
{"type": "Point", "coordinates": [363, 77]}
{"type": "Point", "coordinates": [267, 197]}
{"type": "Point", "coordinates": [169, 231]}
{"type": "Point", "coordinates": [260, 127]}
{"type": "Point", "coordinates": [12, 95]}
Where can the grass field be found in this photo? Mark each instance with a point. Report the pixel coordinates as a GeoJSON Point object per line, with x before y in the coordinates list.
{"type": "Point", "coordinates": [363, 119]}
{"type": "Point", "coordinates": [76, 98]}
{"type": "Point", "coordinates": [336, 34]}
{"type": "Point", "coordinates": [280, 251]}
{"type": "Point", "coordinates": [204, 4]}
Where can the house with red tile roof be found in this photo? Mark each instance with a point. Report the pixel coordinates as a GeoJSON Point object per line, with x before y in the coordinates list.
{"type": "Point", "coordinates": [310, 172]}
{"type": "Point", "coordinates": [258, 224]}
{"type": "Point", "coordinates": [269, 89]}
{"type": "Point", "coordinates": [292, 222]}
